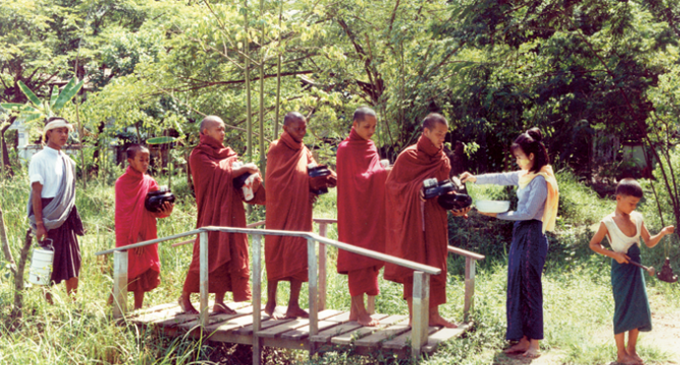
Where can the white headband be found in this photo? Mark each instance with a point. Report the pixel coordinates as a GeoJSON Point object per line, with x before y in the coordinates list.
{"type": "Point", "coordinates": [57, 123]}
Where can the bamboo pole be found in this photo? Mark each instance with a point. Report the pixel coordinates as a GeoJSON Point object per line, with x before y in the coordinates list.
{"type": "Point", "coordinates": [278, 77]}
{"type": "Point", "coordinates": [262, 75]}
{"type": "Point", "coordinates": [249, 124]}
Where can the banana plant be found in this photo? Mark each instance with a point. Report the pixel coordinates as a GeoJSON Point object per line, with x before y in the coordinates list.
{"type": "Point", "coordinates": [36, 109]}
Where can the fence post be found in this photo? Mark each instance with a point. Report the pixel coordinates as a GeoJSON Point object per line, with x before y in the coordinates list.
{"type": "Point", "coordinates": [323, 227]}
{"type": "Point", "coordinates": [120, 282]}
{"type": "Point", "coordinates": [257, 298]}
{"type": "Point", "coordinates": [203, 260]}
{"type": "Point", "coordinates": [469, 287]}
{"type": "Point", "coordinates": [420, 312]}
{"type": "Point", "coordinates": [313, 300]}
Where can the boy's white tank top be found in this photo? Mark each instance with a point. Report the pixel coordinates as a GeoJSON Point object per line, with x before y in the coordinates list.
{"type": "Point", "coordinates": [619, 241]}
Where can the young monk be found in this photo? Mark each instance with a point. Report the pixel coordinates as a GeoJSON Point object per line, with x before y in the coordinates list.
{"type": "Point", "coordinates": [220, 204]}
{"type": "Point", "coordinates": [134, 223]}
{"type": "Point", "coordinates": [624, 228]}
{"type": "Point", "coordinates": [418, 230]}
{"type": "Point", "coordinates": [52, 211]}
{"type": "Point", "coordinates": [361, 211]}
{"type": "Point", "coordinates": [289, 207]}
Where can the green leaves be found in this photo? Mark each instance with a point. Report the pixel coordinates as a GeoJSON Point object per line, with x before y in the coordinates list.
{"type": "Point", "coordinates": [29, 94]}
{"type": "Point", "coordinates": [70, 90]}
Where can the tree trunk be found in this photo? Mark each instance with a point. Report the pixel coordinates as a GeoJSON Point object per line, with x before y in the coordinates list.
{"type": "Point", "coordinates": [19, 277]}
{"type": "Point", "coordinates": [5, 245]}
{"type": "Point", "coordinates": [6, 165]}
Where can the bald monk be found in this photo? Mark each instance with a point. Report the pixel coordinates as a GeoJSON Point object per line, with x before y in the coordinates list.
{"type": "Point", "coordinates": [220, 204]}
{"type": "Point", "coordinates": [361, 211]}
{"type": "Point", "coordinates": [289, 207]}
{"type": "Point", "coordinates": [417, 230]}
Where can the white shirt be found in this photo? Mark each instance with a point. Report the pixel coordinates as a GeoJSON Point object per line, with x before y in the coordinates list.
{"type": "Point", "coordinates": [47, 168]}
{"type": "Point", "coordinates": [617, 239]}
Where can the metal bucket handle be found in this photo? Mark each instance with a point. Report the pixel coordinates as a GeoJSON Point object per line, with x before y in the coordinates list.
{"type": "Point", "coordinates": [47, 245]}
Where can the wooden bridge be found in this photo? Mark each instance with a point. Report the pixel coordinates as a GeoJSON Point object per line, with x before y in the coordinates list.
{"type": "Point", "coordinates": [324, 329]}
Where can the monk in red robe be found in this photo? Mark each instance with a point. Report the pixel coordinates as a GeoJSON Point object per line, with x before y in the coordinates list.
{"type": "Point", "coordinates": [361, 211]}
{"type": "Point", "coordinates": [417, 230]}
{"type": "Point", "coordinates": [289, 207]}
{"type": "Point", "coordinates": [134, 223]}
{"type": "Point", "coordinates": [220, 204]}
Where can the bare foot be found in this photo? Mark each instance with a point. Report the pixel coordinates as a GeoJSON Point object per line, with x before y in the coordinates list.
{"type": "Point", "coordinates": [531, 353]}
{"type": "Point", "coordinates": [271, 311]}
{"type": "Point", "coordinates": [366, 320]}
{"type": "Point", "coordinates": [521, 346]}
{"type": "Point", "coordinates": [298, 312]}
{"type": "Point", "coordinates": [633, 354]}
{"type": "Point", "coordinates": [626, 360]}
{"type": "Point", "coordinates": [186, 306]}
{"type": "Point", "coordinates": [221, 308]}
{"type": "Point", "coordinates": [437, 320]}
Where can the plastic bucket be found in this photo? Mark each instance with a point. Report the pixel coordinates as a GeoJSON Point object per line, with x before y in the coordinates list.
{"type": "Point", "coordinates": [41, 266]}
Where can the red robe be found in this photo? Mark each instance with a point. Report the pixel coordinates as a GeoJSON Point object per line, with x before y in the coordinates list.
{"type": "Point", "coordinates": [361, 211]}
{"type": "Point", "coordinates": [289, 207]}
{"type": "Point", "coordinates": [220, 204]}
{"type": "Point", "coordinates": [416, 230]}
{"type": "Point", "coordinates": [136, 224]}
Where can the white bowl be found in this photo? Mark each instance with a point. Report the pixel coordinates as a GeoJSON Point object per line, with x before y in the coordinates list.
{"type": "Point", "coordinates": [492, 206]}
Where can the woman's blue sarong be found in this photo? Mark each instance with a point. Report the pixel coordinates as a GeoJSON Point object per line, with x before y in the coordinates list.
{"type": "Point", "coordinates": [631, 305]}
{"type": "Point", "coordinates": [526, 259]}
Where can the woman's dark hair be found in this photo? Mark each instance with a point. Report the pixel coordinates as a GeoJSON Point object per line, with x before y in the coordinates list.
{"type": "Point", "coordinates": [629, 187]}
{"type": "Point", "coordinates": [530, 142]}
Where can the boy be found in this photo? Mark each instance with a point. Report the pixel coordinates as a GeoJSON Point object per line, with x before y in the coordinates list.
{"type": "Point", "coordinates": [136, 224]}
{"type": "Point", "coordinates": [624, 228]}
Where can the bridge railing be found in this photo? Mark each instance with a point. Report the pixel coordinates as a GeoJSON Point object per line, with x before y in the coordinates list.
{"type": "Point", "coordinates": [316, 274]}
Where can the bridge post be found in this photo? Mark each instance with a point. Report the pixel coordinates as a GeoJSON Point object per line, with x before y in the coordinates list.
{"type": "Point", "coordinates": [120, 282]}
{"type": "Point", "coordinates": [420, 312]}
{"type": "Point", "coordinates": [313, 292]}
{"type": "Point", "coordinates": [469, 287]}
{"type": "Point", "coordinates": [323, 228]}
{"type": "Point", "coordinates": [204, 270]}
{"type": "Point", "coordinates": [257, 298]}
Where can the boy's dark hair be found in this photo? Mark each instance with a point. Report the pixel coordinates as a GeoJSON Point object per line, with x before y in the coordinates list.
{"type": "Point", "coordinates": [132, 150]}
{"type": "Point", "coordinates": [629, 187]}
{"type": "Point", "coordinates": [530, 142]}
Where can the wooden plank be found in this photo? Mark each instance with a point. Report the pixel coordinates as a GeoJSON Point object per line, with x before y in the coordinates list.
{"type": "Point", "coordinates": [219, 318]}
{"type": "Point", "coordinates": [303, 332]}
{"type": "Point", "coordinates": [256, 268]}
{"type": "Point", "coordinates": [469, 288]}
{"type": "Point", "coordinates": [442, 335]}
{"type": "Point", "coordinates": [375, 338]}
{"type": "Point", "coordinates": [156, 308]}
{"type": "Point", "coordinates": [295, 324]}
{"type": "Point", "coordinates": [150, 317]}
{"type": "Point", "coordinates": [400, 342]}
{"type": "Point", "coordinates": [236, 324]}
{"type": "Point", "coordinates": [267, 322]}
{"type": "Point", "coordinates": [344, 327]}
{"type": "Point", "coordinates": [348, 337]}
{"type": "Point", "coordinates": [466, 253]}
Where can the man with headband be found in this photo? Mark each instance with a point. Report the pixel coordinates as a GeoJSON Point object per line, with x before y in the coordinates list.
{"type": "Point", "coordinates": [52, 212]}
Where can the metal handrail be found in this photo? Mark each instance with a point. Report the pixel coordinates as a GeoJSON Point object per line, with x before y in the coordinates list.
{"type": "Point", "coordinates": [317, 285]}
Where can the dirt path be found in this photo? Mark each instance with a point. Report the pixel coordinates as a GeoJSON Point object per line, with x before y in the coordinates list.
{"type": "Point", "coordinates": [665, 332]}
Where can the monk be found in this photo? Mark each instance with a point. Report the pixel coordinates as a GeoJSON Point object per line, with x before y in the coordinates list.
{"type": "Point", "coordinates": [220, 204]}
{"type": "Point", "coordinates": [361, 211]}
{"type": "Point", "coordinates": [289, 207]}
{"type": "Point", "coordinates": [134, 223]}
{"type": "Point", "coordinates": [417, 230]}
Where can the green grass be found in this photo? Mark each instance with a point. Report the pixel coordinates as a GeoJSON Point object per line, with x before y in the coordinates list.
{"type": "Point", "coordinates": [578, 302]}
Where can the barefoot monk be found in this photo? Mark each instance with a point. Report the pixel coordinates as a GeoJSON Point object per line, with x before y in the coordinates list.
{"type": "Point", "coordinates": [220, 204]}
{"type": "Point", "coordinates": [417, 230]}
{"type": "Point", "coordinates": [361, 211]}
